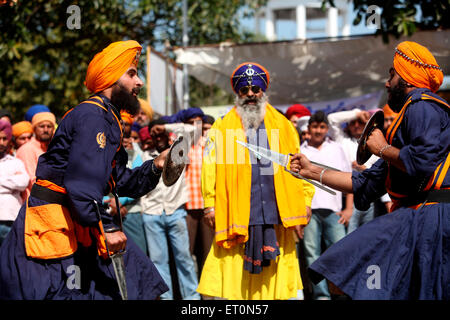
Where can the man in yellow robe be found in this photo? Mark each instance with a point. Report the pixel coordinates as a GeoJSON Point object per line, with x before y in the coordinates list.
{"type": "Point", "coordinates": [254, 205]}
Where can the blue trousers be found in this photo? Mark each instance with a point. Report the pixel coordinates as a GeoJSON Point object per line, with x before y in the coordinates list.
{"type": "Point", "coordinates": [174, 225]}
{"type": "Point", "coordinates": [360, 217]}
{"type": "Point", "coordinates": [324, 227]}
{"type": "Point", "coordinates": [134, 228]}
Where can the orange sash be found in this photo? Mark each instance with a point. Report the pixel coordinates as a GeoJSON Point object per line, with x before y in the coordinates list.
{"type": "Point", "coordinates": [50, 232]}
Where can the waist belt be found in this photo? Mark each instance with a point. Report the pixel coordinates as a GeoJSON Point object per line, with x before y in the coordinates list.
{"type": "Point", "coordinates": [48, 195]}
{"type": "Point", "coordinates": [441, 196]}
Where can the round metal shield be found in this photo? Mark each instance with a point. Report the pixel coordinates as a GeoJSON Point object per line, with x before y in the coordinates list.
{"type": "Point", "coordinates": [376, 121]}
{"type": "Point", "coordinates": [176, 161]}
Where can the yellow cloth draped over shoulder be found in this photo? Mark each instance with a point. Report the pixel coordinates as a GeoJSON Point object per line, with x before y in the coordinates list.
{"type": "Point", "coordinates": [226, 185]}
{"type": "Point", "coordinates": [233, 176]}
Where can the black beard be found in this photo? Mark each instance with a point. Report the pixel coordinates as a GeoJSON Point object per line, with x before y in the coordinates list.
{"type": "Point", "coordinates": [124, 100]}
{"type": "Point", "coordinates": [398, 96]}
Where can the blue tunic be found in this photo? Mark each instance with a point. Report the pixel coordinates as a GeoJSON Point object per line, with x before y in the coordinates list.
{"type": "Point", "coordinates": [404, 254]}
{"type": "Point", "coordinates": [83, 156]}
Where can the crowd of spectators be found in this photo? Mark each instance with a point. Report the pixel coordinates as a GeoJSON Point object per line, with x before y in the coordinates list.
{"type": "Point", "coordinates": [167, 223]}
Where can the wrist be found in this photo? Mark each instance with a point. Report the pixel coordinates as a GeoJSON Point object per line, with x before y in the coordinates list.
{"type": "Point", "coordinates": [380, 153]}
{"type": "Point", "coordinates": [208, 210]}
{"type": "Point", "coordinates": [155, 169]}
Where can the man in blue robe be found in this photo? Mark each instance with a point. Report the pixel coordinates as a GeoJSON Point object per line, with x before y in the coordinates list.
{"type": "Point", "coordinates": [404, 254]}
{"type": "Point", "coordinates": [57, 246]}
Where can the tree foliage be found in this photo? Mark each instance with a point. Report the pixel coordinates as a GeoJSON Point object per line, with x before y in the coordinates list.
{"type": "Point", "coordinates": [43, 61]}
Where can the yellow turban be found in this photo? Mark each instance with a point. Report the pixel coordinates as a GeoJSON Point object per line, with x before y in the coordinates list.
{"type": "Point", "coordinates": [111, 63]}
{"type": "Point", "coordinates": [21, 128]}
{"type": "Point", "coordinates": [145, 106]}
{"type": "Point", "coordinates": [417, 66]}
{"type": "Point", "coordinates": [43, 116]}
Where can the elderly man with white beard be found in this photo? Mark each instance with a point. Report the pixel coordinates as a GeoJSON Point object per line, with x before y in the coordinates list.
{"type": "Point", "coordinates": [254, 205]}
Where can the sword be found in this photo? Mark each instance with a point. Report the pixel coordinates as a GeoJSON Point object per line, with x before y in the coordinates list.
{"type": "Point", "coordinates": [283, 160]}
{"type": "Point", "coordinates": [117, 260]}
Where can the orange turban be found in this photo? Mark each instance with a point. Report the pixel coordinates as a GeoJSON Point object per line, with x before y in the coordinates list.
{"type": "Point", "coordinates": [126, 117]}
{"type": "Point", "coordinates": [21, 128]}
{"type": "Point", "coordinates": [145, 106]}
{"type": "Point", "coordinates": [417, 66]}
{"type": "Point", "coordinates": [388, 112]}
{"type": "Point", "coordinates": [111, 63]}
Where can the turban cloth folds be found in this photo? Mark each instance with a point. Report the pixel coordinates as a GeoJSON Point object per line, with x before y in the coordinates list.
{"type": "Point", "coordinates": [417, 66]}
{"type": "Point", "coordinates": [297, 109]}
{"type": "Point", "coordinates": [5, 126]}
{"type": "Point", "coordinates": [126, 117]}
{"type": "Point", "coordinates": [111, 63]}
{"type": "Point", "coordinates": [250, 74]}
{"type": "Point", "coordinates": [22, 127]}
{"type": "Point", "coordinates": [388, 112]}
{"type": "Point", "coordinates": [43, 116]}
{"type": "Point", "coordinates": [145, 106]}
{"type": "Point", "coordinates": [144, 134]}
{"type": "Point", "coordinates": [35, 109]}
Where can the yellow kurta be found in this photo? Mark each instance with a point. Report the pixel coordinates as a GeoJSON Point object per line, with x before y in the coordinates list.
{"type": "Point", "coordinates": [223, 274]}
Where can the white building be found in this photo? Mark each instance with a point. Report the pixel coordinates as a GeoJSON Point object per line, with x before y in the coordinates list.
{"type": "Point", "coordinates": [303, 19]}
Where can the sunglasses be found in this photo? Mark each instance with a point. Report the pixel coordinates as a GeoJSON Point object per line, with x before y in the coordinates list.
{"type": "Point", "coordinates": [245, 90]}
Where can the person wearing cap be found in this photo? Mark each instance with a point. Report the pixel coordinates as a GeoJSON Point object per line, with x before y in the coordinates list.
{"type": "Point", "coordinates": [404, 254]}
{"type": "Point", "coordinates": [22, 133]}
{"type": "Point", "coordinates": [389, 116]}
{"type": "Point", "coordinates": [5, 115]}
{"type": "Point", "coordinates": [63, 233]}
{"type": "Point", "coordinates": [145, 113]}
{"type": "Point", "coordinates": [253, 205]}
{"type": "Point", "coordinates": [43, 124]}
{"type": "Point", "coordinates": [330, 213]}
{"type": "Point", "coordinates": [302, 128]}
{"type": "Point", "coordinates": [164, 216]}
{"type": "Point", "coordinates": [13, 180]}
{"type": "Point", "coordinates": [34, 109]}
{"type": "Point", "coordinates": [296, 112]}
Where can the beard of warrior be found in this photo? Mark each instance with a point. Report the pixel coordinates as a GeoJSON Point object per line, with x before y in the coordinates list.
{"type": "Point", "coordinates": [252, 115]}
{"type": "Point", "coordinates": [397, 96]}
{"type": "Point", "coordinates": [125, 100]}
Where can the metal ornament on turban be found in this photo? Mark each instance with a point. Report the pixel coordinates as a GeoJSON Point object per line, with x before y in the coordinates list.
{"type": "Point", "coordinates": [417, 66]}
{"type": "Point", "coordinates": [249, 74]}
{"type": "Point", "coordinates": [111, 63]}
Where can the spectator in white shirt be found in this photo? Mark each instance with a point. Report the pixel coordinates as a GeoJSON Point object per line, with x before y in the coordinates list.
{"type": "Point", "coordinates": [328, 220]}
{"type": "Point", "coordinates": [13, 180]}
{"type": "Point", "coordinates": [356, 120]}
{"type": "Point", "coordinates": [165, 214]}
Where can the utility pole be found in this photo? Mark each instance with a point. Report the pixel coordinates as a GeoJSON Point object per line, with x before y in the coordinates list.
{"type": "Point", "coordinates": [185, 67]}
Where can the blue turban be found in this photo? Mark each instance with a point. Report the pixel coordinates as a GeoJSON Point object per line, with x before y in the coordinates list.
{"type": "Point", "coordinates": [135, 127]}
{"type": "Point", "coordinates": [35, 109]}
{"type": "Point", "coordinates": [249, 74]}
{"type": "Point", "coordinates": [185, 115]}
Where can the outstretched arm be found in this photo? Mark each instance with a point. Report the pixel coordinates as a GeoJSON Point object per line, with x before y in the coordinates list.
{"type": "Point", "coordinates": [337, 180]}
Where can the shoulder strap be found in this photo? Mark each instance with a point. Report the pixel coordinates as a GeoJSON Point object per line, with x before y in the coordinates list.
{"type": "Point", "coordinates": [435, 98]}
